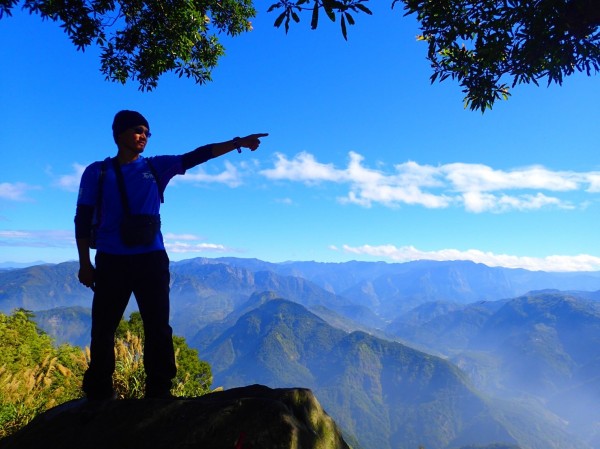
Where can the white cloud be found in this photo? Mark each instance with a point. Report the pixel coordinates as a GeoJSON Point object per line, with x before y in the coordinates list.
{"type": "Point", "coordinates": [37, 238]}
{"type": "Point", "coordinates": [594, 182]}
{"type": "Point", "coordinates": [303, 167]}
{"type": "Point", "coordinates": [580, 262]}
{"type": "Point", "coordinates": [190, 243]}
{"type": "Point", "coordinates": [231, 176]}
{"type": "Point", "coordinates": [187, 237]}
{"type": "Point", "coordinates": [469, 177]}
{"type": "Point", "coordinates": [186, 247]}
{"type": "Point", "coordinates": [15, 191]}
{"type": "Point", "coordinates": [71, 181]}
{"type": "Point", "coordinates": [175, 243]}
{"type": "Point", "coordinates": [476, 201]}
{"type": "Point", "coordinates": [476, 187]}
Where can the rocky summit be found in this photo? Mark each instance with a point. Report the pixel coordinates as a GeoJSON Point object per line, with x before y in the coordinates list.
{"type": "Point", "coordinates": [252, 417]}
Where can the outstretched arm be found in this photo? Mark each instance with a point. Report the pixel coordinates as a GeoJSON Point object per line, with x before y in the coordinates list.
{"type": "Point", "coordinates": [206, 152]}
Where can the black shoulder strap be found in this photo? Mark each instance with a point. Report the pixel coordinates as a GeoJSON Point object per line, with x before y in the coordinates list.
{"type": "Point", "coordinates": [121, 184]}
{"type": "Point", "coordinates": [153, 171]}
{"type": "Point", "coordinates": [100, 190]}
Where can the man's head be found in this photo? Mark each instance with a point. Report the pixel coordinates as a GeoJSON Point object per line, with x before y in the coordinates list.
{"type": "Point", "coordinates": [125, 120]}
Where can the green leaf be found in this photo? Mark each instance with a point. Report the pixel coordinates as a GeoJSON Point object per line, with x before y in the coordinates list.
{"type": "Point", "coordinates": [279, 20]}
{"type": "Point", "coordinates": [315, 16]}
{"type": "Point", "coordinates": [364, 9]}
{"type": "Point", "coordinates": [329, 11]}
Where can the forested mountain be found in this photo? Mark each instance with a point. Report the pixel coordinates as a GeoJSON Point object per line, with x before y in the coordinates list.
{"type": "Point", "coordinates": [543, 345]}
{"type": "Point", "coordinates": [42, 287]}
{"type": "Point", "coordinates": [541, 339]}
{"type": "Point", "coordinates": [386, 394]}
{"type": "Point", "coordinates": [494, 358]}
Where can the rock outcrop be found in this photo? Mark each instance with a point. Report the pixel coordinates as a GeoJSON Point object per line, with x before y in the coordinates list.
{"type": "Point", "coordinates": [253, 417]}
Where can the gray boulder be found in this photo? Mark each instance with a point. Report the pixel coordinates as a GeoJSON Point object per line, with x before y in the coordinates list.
{"type": "Point", "coordinates": [253, 417]}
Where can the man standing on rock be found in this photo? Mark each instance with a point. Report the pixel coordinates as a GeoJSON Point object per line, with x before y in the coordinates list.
{"type": "Point", "coordinates": [118, 214]}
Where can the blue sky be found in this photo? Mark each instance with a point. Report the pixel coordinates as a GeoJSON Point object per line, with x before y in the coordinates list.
{"type": "Point", "coordinates": [366, 160]}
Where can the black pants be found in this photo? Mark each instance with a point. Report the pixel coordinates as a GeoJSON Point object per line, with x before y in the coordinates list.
{"type": "Point", "coordinates": [147, 277]}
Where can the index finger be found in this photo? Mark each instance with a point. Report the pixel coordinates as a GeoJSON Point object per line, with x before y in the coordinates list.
{"type": "Point", "coordinates": [259, 135]}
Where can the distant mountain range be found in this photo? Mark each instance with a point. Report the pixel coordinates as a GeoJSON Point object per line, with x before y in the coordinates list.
{"type": "Point", "coordinates": [17, 265]}
{"type": "Point", "coordinates": [440, 354]}
{"type": "Point", "coordinates": [371, 294]}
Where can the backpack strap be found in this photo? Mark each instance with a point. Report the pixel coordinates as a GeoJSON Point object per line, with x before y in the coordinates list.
{"type": "Point", "coordinates": [121, 184]}
{"type": "Point", "coordinates": [103, 165]}
{"type": "Point", "coordinates": [161, 192]}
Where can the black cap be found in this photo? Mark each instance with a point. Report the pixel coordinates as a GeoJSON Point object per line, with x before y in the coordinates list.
{"type": "Point", "coordinates": [127, 119]}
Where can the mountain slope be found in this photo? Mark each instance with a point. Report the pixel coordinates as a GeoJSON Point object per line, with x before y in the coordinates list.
{"type": "Point", "coordinates": [542, 347]}
{"type": "Point", "coordinates": [386, 394]}
{"type": "Point", "coordinates": [209, 292]}
{"type": "Point", "coordinates": [42, 287]}
{"type": "Point", "coordinates": [545, 341]}
{"type": "Point", "coordinates": [71, 325]}
{"type": "Point", "coordinates": [442, 327]}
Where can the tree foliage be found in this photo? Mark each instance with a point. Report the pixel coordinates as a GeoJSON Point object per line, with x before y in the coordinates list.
{"type": "Point", "coordinates": [34, 375]}
{"type": "Point", "coordinates": [142, 39]}
{"type": "Point", "coordinates": [488, 46]}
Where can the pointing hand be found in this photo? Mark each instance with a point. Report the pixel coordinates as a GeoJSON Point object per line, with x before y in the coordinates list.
{"type": "Point", "coordinates": [251, 141]}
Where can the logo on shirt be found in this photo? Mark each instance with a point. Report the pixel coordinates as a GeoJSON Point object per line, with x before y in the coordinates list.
{"type": "Point", "coordinates": [148, 175]}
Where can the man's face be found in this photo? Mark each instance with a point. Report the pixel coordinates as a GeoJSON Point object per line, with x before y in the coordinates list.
{"type": "Point", "coordinates": [134, 139]}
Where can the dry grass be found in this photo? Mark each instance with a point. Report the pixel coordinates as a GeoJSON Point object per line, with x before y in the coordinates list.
{"type": "Point", "coordinates": [129, 378]}
{"type": "Point", "coordinates": [25, 394]}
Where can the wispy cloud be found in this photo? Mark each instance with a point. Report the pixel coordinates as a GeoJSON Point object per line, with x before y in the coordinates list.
{"type": "Point", "coordinates": [230, 176]}
{"type": "Point", "coordinates": [190, 243]}
{"type": "Point", "coordinates": [37, 238]}
{"type": "Point", "coordinates": [580, 262]}
{"type": "Point", "coordinates": [70, 182]}
{"type": "Point", "coordinates": [175, 243]}
{"type": "Point", "coordinates": [475, 187]}
{"type": "Point", "coordinates": [16, 191]}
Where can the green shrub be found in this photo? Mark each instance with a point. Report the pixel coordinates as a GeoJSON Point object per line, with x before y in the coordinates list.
{"type": "Point", "coordinates": [35, 375]}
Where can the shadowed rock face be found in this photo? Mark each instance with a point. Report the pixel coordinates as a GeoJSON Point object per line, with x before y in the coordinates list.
{"type": "Point", "coordinates": [253, 417]}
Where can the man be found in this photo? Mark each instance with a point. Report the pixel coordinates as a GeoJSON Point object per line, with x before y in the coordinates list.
{"type": "Point", "coordinates": [118, 213]}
